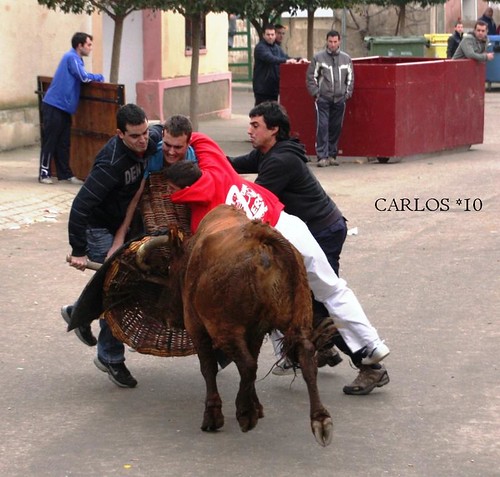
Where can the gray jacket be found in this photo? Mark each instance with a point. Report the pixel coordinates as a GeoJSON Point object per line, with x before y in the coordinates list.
{"type": "Point", "coordinates": [471, 47]}
{"type": "Point", "coordinates": [330, 75]}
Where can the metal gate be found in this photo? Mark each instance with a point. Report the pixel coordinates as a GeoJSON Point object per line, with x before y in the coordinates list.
{"type": "Point", "coordinates": [240, 55]}
{"type": "Point", "coordinates": [93, 124]}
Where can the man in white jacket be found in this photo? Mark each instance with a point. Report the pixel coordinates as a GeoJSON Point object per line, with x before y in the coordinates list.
{"type": "Point", "coordinates": [330, 80]}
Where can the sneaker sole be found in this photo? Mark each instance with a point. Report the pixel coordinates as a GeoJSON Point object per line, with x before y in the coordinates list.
{"type": "Point", "coordinates": [363, 392]}
{"type": "Point", "coordinates": [67, 319]}
{"type": "Point", "coordinates": [103, 368]}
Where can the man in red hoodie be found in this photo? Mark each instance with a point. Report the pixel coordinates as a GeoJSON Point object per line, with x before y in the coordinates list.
{"type": "Point", "coordinates": [220, 184]}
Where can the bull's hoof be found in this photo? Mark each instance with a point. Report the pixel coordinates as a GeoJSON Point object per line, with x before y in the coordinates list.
{"type": "Point", "coordinates": [248, 419]}
{"type": "Point", "coordinates": [213, 419]}
{"type": "Point", "coordinates": [322, 430]}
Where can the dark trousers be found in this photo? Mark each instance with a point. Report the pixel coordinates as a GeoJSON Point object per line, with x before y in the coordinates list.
{"type": "Point", "coordinates": [55, 142]}
{"type": "Point", "coordinates": [260, 98]}
{"type": "Point", "coordinates": [331, 240]}
{"type": "Point", "coordinates": [329, 119]}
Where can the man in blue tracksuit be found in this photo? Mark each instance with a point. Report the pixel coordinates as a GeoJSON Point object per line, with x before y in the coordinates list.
{"type": "Point", "coordinates": [59, 103]}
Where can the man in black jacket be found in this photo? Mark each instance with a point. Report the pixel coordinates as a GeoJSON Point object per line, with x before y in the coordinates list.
{"type": "Point", "coordinates": [281, 165]}
{"type": "Point", "coordinates": [455, 39]}
{"type": "Point", "coordinates": [268, 56]}
{"type": "Point", "coordinates": [98, 211]}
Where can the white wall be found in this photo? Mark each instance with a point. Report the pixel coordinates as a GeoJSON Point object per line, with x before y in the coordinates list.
{"type": "Point", "coordinates": [131, 58]}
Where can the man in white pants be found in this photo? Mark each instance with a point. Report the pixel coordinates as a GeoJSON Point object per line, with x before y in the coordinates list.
{"type": "Point", "coordinates": [220, 184]}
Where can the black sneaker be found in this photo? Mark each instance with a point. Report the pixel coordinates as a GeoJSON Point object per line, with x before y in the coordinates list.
{"type": "Point", "coordinates": [84, 333]}
{"type": "Point", "coordinates": [117, 372]}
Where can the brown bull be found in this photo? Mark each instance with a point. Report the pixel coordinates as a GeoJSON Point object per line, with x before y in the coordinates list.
{"type": "Point", "coordinates": [242, 279]}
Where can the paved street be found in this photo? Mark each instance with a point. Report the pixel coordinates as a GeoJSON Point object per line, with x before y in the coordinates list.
{"type": "Point", "coordinates": [428, 280]}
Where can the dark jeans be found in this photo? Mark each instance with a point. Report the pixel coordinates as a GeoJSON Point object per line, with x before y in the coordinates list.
{"type": "Point", "coordinates": [55, 142]}
{"type": "Point", "coordinates": [109, 349]}
{"type": "Point", "coordinates": [331, 240]}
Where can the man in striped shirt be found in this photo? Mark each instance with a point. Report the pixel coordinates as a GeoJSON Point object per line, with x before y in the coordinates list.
{"type": "Point", "coordinates": [98, 211]}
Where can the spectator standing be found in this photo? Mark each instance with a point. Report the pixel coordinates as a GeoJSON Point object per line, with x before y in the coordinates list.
{"type": "Point", "coordinates": [59, 103]}
{"type": "Point", "coordinates": [487, 18]}
{"type": "Point", "coordinates": [473, 45]}
{"type": "Point", "coordinates": [455, 39]}
{"type": "Point", "coordinates": [330, 80]}
{"type": "Point", "coordinates": [280, 33]}
{"type": "Point", "coordinates": [232, 29]}
{"type": "Point", "coordinates": [97, 212]}
{"type": "Point", "coordinates": [268, 56]}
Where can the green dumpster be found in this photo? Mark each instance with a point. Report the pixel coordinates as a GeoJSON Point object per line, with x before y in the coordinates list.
{"type": "Point", "coordinates": [437, 45]}
{"type": "Point", "coordinates": [396, 45]}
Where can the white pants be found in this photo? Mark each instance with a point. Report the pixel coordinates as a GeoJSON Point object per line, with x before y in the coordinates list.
{"type": "Point", "coordinates": [328, 288]}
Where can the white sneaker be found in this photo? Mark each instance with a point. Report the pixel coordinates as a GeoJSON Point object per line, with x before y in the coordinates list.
{"type": "Point", "coordinates": [286, 368]}
{"type": "Point", "coordinates": [377, 354]}
{"type": "Point", "coordinates": [45, 180]}
{"type": "Point", "coordinates": [74, 180]}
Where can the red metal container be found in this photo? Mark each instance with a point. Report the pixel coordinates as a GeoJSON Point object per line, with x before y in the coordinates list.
{"type": "Point", "coordinates": [400, 106]}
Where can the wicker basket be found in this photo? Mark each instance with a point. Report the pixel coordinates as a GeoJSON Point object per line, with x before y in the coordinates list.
{"type": "Point", "coordinates": [134, 300]}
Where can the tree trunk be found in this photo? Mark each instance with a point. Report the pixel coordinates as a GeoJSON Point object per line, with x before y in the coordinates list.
{"type": "Point", "coordinates": [310, 33]}
{"type": "Point", "coordinates": [401, 25]}
{"type": "Point", "coordinates": [195, 67]}
{"type": "Point", "coordinates": [115, 55]}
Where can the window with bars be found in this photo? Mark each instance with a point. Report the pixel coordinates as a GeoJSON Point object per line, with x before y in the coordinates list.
{"type": "Point", "coordinates": [189, 34]}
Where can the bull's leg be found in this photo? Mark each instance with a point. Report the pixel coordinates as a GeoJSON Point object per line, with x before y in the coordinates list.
{"type": "Point", "coordinates": [248, 407]}
{"type": "Point", "coordinates": [321, 421]}
{"type": "Point", "coordinates": [213, 418]}
{"type": "Point", "coordinates": [254, 348]}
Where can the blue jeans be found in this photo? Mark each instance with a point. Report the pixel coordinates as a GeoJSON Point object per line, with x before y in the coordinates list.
{"type": "Point", "coordinates": [109, 349]}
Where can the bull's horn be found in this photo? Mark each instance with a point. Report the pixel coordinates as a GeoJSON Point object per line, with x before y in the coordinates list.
{"type": "Point", "coordinates": [146, 248]}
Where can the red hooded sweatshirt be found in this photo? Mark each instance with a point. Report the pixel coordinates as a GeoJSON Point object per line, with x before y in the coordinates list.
{"type": "Point", "coordinates": [221, 184]}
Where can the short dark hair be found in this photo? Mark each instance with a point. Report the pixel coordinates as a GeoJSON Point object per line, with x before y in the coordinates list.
{"type": "Point", "coordinates": [269, 26]}
{"type": "Point", "coordinates": [178, 125]}
{"type": "Point", "coordinates": [480, 22]}
{"type": "Point", "coordinates": [79, 38]}
{"type": "Point", "coordinates": [130, 114]}
{"type": "Point", "coordinates": [332, 33]}
{"type": "Point", "coordinates": [182, 173]}
{"type": "Point", "coordinates": [274, 115]}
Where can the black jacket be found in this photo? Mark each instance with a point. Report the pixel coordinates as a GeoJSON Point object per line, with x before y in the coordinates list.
{"type": "Point", "coordinates": [266, 71]}
{"type": "Point", "coordinates": [112, 183]}
{"type": "Point", "coordinates": [453, 42]}
{"type": "Point", "coordinates": [284, 171]}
